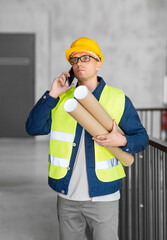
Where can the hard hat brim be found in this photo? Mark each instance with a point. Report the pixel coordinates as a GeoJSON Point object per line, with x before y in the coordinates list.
{"type": "Point", "coordinates": [79, 49]}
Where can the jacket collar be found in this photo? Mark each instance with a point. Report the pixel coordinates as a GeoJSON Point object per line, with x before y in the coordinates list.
{"type": "Point", "coordinates": [98, 90]}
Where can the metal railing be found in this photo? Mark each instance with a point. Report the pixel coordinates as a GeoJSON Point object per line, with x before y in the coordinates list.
{"type": "Point", "coordinates": [155, 121]}
{"type": "Point", "coordinates": [143, 204]}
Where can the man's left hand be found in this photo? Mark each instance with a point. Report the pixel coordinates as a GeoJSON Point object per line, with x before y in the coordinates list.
{"type": "Point", "coordinates": [112, 139]}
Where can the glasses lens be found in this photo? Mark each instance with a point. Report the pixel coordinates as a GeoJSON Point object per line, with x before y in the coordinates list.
{"type": "Point", "coordinates": [73, 60]}
{"type": "Point", "coordinates": [85, 58]}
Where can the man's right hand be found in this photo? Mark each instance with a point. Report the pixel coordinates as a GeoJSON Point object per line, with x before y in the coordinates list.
{"type": "Point", "coordinates": [59, 85]}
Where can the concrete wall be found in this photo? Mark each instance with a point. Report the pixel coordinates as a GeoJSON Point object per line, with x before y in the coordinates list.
{"type": "Point", "coordinates": [132, 35]}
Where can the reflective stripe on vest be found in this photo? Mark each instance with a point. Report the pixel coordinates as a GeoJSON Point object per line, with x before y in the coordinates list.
{"type": "Point", "coordinates": [66, 137]}
{"type": "Point", "coordinates": [107, 164]}
{"type": "Point", "coordinates": [61, 162]}
{"type": "Point", "coordinates": [62, 135]}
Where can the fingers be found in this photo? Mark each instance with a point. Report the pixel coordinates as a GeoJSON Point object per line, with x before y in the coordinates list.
{"type": "Point", "coordinates": [63, 78]}
{"type": "Point", "coordinates": [114, 126]}
{"type": "Point", "coordinates": [102, 142]}
{"type": "Point", "coordinates": [69, 87]}
{"type": "Point", "coordinates": [101, 137]}
{"type": "Point", "coordinates": [59, 85]}
{"type": "Point", "coordinates": [112, 139]}
{"type": "Point", "coordinates": [64, 75]}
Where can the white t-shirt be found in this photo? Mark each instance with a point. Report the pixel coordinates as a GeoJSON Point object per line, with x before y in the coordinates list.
{"type": "Point", "coordinates": [78, 187]}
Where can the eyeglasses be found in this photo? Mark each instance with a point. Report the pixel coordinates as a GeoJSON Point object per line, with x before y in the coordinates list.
{"type": "Point", "coordinates": [84, 58]}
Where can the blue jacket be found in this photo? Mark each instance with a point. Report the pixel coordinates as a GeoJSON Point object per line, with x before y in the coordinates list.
{"type": "Point", "coordinates": [39, 123]}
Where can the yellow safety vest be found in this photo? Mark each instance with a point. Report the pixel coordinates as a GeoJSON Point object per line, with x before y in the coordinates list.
{"type": "Point", "coordinates": [62, 135]}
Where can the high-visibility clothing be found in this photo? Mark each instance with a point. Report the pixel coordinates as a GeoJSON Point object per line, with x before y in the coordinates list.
{"type": "Point", "coordinates": [63, 131]}
{"type": "Point", "coordinates": [39, 123]}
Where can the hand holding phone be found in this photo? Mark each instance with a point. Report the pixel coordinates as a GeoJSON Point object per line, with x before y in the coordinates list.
{"type": "Point", "coordinates": [71, 78]}
{"type": "Point", "coordinates": [62, 84]}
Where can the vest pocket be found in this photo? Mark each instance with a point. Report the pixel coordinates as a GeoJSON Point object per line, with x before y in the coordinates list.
{"type": "Point", "coordinates": [56, 172]}
{"type": "Point", "coordinates": [109, 169]}
{"type": "Point", "coordinates": [59, 157]}
{"type": "Point", "coordinates": [110, 174]}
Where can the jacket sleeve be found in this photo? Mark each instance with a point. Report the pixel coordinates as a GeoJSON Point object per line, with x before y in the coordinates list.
{"type": "Point", "coordinates": [39, 119]}
{"type": "Point", "coordinates": [135, 133]}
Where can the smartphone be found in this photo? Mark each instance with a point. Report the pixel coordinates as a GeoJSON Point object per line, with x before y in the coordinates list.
{"type": "Point", "coordinates": [71, 78]}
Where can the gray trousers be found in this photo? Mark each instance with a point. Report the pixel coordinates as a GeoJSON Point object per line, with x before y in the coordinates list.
{"type": "Point", "coordinates": [100, 217]}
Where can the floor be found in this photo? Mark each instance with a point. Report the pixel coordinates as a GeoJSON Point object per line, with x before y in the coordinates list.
{"type": "Point", "coordinates": [27, 204]}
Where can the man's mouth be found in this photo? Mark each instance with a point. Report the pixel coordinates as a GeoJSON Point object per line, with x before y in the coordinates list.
{"type": "Point", "coordinates": [80, 69]}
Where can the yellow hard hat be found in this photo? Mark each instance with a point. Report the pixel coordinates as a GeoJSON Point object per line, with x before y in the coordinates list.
{"type": "Point", "coordinates": [84, 44]}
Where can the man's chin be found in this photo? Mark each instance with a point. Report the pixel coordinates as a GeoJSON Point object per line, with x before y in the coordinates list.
{"type": "Point", "coordinates": [82, 79]}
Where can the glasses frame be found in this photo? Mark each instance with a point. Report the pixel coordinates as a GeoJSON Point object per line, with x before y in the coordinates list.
{"type": "Point", "coordinates": [80, 58]}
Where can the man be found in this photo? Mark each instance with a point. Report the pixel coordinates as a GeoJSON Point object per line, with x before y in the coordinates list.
{"type": "Point", "coordinates": [87, 194]}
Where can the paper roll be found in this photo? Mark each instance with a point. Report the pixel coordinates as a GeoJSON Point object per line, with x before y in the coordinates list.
{"type": "Point", "coordinates": [83, 117]}
{"type": "Point", "coordinates": [88, 122]}
{"type": "Point", "coordinates": [91, 104]}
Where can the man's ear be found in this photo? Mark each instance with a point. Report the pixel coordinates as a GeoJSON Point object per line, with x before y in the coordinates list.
{"type": "Point", "coordinates": [98, 65]}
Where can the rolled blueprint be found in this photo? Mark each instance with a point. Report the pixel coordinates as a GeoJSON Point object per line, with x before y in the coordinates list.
{"type": "Point", "coordinates": [88, 122]}
{"type": "Point", "coordinates": [91, 104]}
